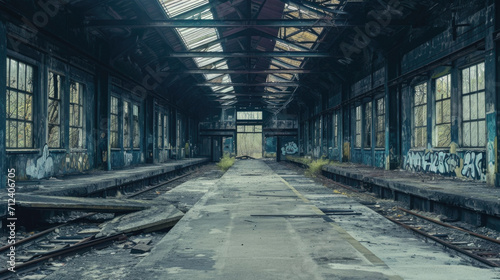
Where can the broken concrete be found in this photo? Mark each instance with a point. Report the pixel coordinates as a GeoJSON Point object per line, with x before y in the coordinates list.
{"type": "Point", "coordinates": [154, 218]}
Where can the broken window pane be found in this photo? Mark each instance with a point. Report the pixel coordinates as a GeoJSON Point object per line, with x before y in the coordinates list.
{"type": "Point", "coordinates": [54, 110]}
{"type": "Point", "coordinates": [368, 125]}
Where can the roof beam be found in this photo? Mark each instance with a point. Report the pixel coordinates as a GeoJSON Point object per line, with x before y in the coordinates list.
{"type": "Point", "coordinates": [251, 54]}
{"type": "Point", "coordinates": [206, 23]}
{"type": "Point", "coordinates": [267, 84]}
{"type": "Point", "coordinates": [250, 94]}
{"type": "Point", "coordinates": [246, 71]}
{"type": "Point", "coordinates": [314, 7]}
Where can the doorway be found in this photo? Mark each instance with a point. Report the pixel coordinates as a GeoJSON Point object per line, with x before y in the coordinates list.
{"type": "Point", "coordinates": [249, 140]}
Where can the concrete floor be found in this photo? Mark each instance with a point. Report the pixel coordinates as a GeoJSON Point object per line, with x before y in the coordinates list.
{"type": "Point", "coordinates": [257, 224]}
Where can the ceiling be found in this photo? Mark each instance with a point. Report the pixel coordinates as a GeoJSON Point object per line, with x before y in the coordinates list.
{"type": "Point", "coordinates": [247, 53]}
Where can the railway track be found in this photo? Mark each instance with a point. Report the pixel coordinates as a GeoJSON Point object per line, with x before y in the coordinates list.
{"type": "Point", "coordinates": [67, 239]}
{"type": "Point", "coordinates": [476, 246]}
{"type": "Point", "coordinates": [472, 245]}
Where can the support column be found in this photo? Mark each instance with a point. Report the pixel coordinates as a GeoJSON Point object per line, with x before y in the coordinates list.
{"type": "Point", "coordinates": [3, 90]}
{"type": "Point", "coordinates": [103, 157]}
{"type": "Point", "coordinates": [149, 118]}
{"type": "Point", "coordinates": [492, 87]}
{"type": "Point", "coordinates": [392, 114]}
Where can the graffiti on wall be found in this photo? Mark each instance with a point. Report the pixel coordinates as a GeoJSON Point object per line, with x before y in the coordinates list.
{"type": "Point", "coordinates": [43, 167]}
{"type": "Point", "coordinates": [473, 167]}
{"type": "Point", "coordinates": [290, 148]}
{"type": "Point", "coordinates": [435, 162]}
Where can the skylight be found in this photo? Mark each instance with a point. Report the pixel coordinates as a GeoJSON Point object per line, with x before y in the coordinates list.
{"type": "Point", "coordinates": [196, 37]}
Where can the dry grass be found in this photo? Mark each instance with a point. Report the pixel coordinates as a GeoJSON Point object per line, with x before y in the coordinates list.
{"type": "Point", "coordinates": [313, 166]}
{"type": "Point", "coordinates": [225, 162]}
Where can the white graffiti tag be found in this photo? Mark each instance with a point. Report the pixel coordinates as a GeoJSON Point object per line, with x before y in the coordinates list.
{"type": "Point", "coordinates": [290, 148]}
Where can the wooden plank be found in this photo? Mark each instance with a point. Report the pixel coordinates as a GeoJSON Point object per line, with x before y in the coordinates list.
{"type": "Point", "coordinates": [155, 218]}
{"type": "Point", "coordinates": [82, 203]}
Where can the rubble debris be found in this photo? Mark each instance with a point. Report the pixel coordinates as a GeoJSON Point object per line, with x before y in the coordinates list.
{"type": "Point", "coordinates": [140, 249]}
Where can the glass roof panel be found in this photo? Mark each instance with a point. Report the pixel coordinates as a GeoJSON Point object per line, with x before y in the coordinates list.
{"type": "Point", "coordinates": [195, 37]}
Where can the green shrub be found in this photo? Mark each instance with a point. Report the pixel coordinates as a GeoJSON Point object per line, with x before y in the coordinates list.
{"type": "Point", "coordinates": [315, 167]}
{"type": "Point", "coordinates": [225, 162]}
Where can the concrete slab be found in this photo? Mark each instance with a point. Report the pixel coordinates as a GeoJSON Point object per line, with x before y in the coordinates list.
{"type": "Point", "coordinates": [226, 236]}
{"type": "Point", "coordinates": [154, 218]}
{"type": "Point", "coordinates": [81, 203]}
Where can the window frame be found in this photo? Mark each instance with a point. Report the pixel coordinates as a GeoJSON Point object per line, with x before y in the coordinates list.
{"type": "Point", "coordinates": [60, 101]}
{"type": "Point", "coordinates": [136, 130]}
{"type": "Point", "coordinates": [380, 123]}
{"type": "Point", "coordinates": [368, 127]}
{"type": "Point", "coordinates": [479, 119]}
{"type": "Point", "coordinates": [159, 128]}
{"type": "Point", "coordinates": [439, 115]}
{"type": "Point", "coordinates": [126, 127]}
{"type": "Point", "coordinates": [114, 112]}
{"type": "Point", "coordinates": [28, 93]}
{"type": "Point", "coordinates": [423, 127]}
{"type": "Point", "coordinates": [82, 117]}
{"type": "Point", "coordinates": [358, 128]}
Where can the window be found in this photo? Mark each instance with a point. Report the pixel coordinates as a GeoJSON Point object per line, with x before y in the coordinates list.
{"type": "Point", "coordinates": [54, 110]}
{"type": "Point", "coordinates": [249, 128]}
{"type": "Point", "coordinates": [473, 107]}
{"type": "Point", "coordinates": [357, 142]}
{"type": "Point", "coordinates": [137, 132]}
{"type": "Point", "coordinates": [380, 133]}
{"type": "Point", "coordinates": [126, 124]}
{"type": "Point", "coordinates": [76, 116]}
{"type": "Point", "coordinates": [160, 131]}
{"type": "Point", "coordinates": [368, 125]}
{"type": "Point", "coordinates": [19, 80]}
{"type": "Point", "coordinates": [113, 127]}
{"type": "Point", "coordinates": [335, 129]}
{"type": "Point", "coordinates": [442, 135]}
{"type": "Point", "coordinates": [165, 126]}
{"type": "Point", "coordinates": [420, 116]}
{"type": "Point", "coordinates": [255, 115]}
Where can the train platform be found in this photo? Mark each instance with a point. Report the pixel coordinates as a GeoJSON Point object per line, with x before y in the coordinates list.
{"type": "Point", "coordinates": [467, 200]}
{"type": "Point", "coordinates": [260, 223]}
{"type": "Point", "coordinates": [99, 182]}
